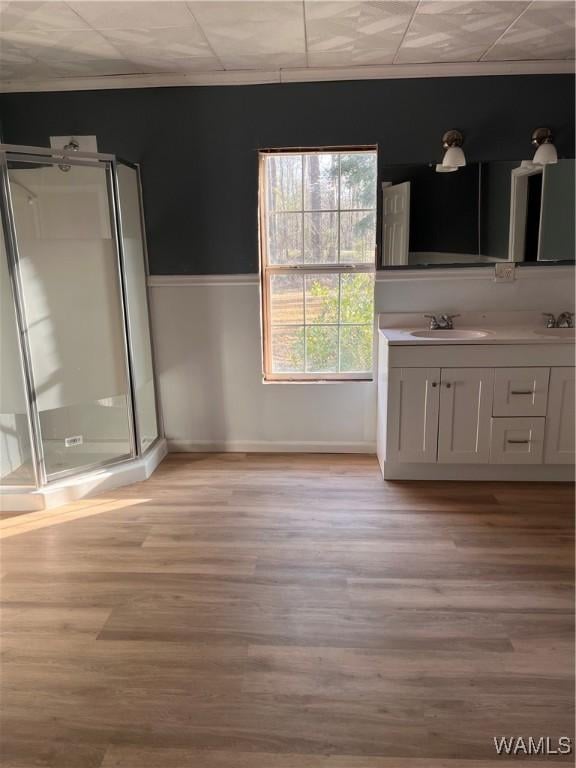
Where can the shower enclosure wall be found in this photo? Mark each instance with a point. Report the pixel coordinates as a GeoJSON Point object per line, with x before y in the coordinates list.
{"type": "Point", "coordinates": [77, 395]}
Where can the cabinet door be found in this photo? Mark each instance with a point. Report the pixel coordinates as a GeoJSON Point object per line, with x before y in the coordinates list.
{"type": "Point", "coordinates": [413, 414]}
{"type": "Point", "coordinates": [465, 414]}
{"type": "Point", "coordinates": [559, 441]}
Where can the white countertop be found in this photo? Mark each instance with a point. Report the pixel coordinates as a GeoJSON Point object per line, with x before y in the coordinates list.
{"type": "Point", "coordinates": [501, 327]}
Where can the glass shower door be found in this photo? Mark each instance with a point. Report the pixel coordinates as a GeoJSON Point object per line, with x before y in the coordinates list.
{"type": "Point", "coordinates": [71, 294]}
{"type": "Point", "coordinates": [16, 463]}
{"type": "Point", "coordinates": [135, 277]}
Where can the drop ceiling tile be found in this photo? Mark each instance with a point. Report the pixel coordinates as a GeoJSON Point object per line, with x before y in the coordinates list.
{"type": "Point", "coordinates": [549, 16]}
{"type": "Point", "coordinates": [31, 15]}
{"type": "Point", "coordinates": [512, 7]}
{"type": "Point", "coordinates": [265, 62]}
{"type": "Point", "coordinates": [341, 26]}
{"type": "Point", "coordinates": [169, 42]}
{"type": "Point", "coordinates": [14, 54]}
{"type": "Point", "coordinates": [436, 54]}
{"type": "Point", "coordinates": [178, 65]}
{"type": "Point", "coordinates": [450, 37]}
{"type": "Point", "coordinates": [31, 71]}
{"type": "Point", "coordinates": [59, 45]}
{"type": "Point", "coordinates": [94, 68]}
{"type": "Point", "coordinates": [354, 58]}
{"type": "Point", "coordinates": [558, 46]}
{"type": "Point", "coordinates": [552, 6]}
{"type": "Point", "coordinates": [545, 30]}
{"type": "Point", "coordinates": [252, 28]}
{"type": "Point", "coordinates": [130, 15]}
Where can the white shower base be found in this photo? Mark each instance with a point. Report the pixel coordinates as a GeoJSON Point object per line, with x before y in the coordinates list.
{"type": "Point", "coordinates": [81, 486]}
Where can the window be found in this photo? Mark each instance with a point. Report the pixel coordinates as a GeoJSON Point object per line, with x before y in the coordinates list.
{"type": "Point", "coordinates": [318, 237]}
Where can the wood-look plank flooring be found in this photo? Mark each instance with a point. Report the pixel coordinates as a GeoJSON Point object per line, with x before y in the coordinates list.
{"type": "Point", "coordinates": [288, 611]}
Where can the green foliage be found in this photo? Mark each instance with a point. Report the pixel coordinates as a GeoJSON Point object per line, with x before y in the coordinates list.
{"type": "Point", "coordinates": [356, 348]}
{"type": "Point", "coordinates": [356, 299]}
{"type": "Point", "coordinates": [322, 347]}
{"type": "Point", "coordinates": [356, 306]}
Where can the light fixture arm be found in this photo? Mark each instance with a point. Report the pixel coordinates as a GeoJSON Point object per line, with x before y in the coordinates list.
{"type": "Point", "coordinates": [452, 139]}
{"type": "Point", "coordinates": [542, 136]}
{"type": "Point", "coordinates": [546, 153]}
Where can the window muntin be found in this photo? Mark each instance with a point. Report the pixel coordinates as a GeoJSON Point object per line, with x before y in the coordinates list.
{"type": "Point", "coordinates": [318, 234]}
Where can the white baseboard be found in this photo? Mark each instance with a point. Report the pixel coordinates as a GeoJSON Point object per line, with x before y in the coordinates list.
{"type": "Point", "coordinates": [265, 446]}
{"type": "Point", "coordinates": [523, 473]}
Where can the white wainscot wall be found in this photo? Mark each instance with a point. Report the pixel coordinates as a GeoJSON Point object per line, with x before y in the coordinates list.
{"type": "Point", "coordinates": [209, 366]}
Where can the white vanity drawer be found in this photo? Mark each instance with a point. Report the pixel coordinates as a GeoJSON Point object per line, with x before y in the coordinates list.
{"type": "Point", "coordinates": [517, 441]}
{"type": "Point", "coordinates": [520, 391]}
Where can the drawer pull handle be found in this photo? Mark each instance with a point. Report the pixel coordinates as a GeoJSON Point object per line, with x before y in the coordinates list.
{"type": "Point", "coordinates": [521, 392]}
{"type": "Point", "coordinates": [434, 384]}
{"type": "Point", "coordinates": [518, 441]}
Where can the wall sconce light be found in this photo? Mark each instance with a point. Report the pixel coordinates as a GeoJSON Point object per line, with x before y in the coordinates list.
{"type": "Point", "coordinates": [454, 157]}
{"type": "Point", "coordinates": [546, 153]}
{"type": "Point", "coordinates": [452, 142]}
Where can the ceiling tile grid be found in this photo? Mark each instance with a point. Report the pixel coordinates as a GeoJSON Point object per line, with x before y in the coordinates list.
{"type": "Point", "coordinates": [82, 39]}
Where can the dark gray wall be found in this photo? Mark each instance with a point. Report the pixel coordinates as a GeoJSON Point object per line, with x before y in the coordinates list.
{"type": "Point", "coordinates": [198, 146]}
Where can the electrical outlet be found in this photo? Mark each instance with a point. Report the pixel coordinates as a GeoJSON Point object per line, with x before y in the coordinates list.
{"type": "Point", "coordinates": [505, 273]}
{"type": "Point", "coordinates": [70, 442]}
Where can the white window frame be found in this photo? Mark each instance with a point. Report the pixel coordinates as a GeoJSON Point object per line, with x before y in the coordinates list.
{"type": "Point", "coordinates": [267, 271]}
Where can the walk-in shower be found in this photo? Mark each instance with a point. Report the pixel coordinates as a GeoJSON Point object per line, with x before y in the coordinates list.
{"type": "Point", "coordinates": [77, 394]}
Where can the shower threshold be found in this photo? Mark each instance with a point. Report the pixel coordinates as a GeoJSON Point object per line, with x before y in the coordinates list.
{"type": "Point", "coordinates": [83, 485]}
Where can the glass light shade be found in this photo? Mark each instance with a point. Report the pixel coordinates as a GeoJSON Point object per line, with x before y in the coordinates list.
{"type": "Point", "coordinates": [454, 157]}
{"type": "Point", "coordinates": [441, 168]}
{"type": "Point", "coordinates": [546, 154]}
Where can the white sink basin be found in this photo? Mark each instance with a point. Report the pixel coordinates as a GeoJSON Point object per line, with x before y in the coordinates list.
{"type": "Point", "coordinates": [455, 334]}
{"type": "Point", "coordinates": [560, 333]}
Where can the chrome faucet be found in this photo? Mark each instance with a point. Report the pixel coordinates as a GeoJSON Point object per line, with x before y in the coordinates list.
{"type": "Point", "coordinates": [442, 322]}
{"type": "Point", "coordinates": [564, 320]}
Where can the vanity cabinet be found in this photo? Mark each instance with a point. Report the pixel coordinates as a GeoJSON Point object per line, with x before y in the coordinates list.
{"type": "Point", "coordinates": [489, 421]}
{"type": "Point", "coordinates": [440, 415]}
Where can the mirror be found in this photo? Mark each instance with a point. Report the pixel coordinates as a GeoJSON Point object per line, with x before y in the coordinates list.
{"type": "Point", "coordinates": [480, 214]}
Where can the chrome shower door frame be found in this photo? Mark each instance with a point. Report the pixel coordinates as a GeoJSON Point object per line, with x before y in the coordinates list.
{"type": "Point", "coordinates": [48, 156]}
{"type": "Point", "coordinates": [116, 161]}
{"type": "Point", "coordinates": [9, 230]}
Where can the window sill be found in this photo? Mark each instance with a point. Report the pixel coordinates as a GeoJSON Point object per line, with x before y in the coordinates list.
{"type": "Point", "coordinates": [335, 380]}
